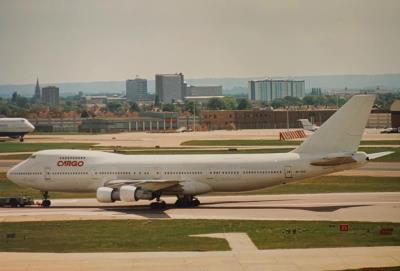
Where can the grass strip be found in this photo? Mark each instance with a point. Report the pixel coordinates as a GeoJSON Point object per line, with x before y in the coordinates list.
{"type": "Point", "coordinates": [173, 235]}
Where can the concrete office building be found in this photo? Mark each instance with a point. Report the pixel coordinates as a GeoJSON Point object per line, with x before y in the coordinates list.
{"type": "Point", "coordinates": [269, 90]}
{"type": "Point", "coordinates": [136, 89]}
{"type": "Point", "coordinates": [203, 90]}
{"type": "Point", "coordinates": [170, 87]}
{"type": "Point", "coordinates": [51, 95]}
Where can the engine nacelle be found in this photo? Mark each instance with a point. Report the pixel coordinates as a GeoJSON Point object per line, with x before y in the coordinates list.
{"type": "Point", "coordinates": [127, 193]}
{"type": "Point", "coordinates": [195, 188]}
{"type": "Point", "coordinates": [107, 194]}
{"type": "Point", "coordinates": [131, 193]}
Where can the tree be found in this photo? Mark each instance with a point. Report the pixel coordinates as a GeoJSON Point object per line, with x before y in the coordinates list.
{"type": "Point", "coordinates": [216, 104]}
{"type": "Point", "coordinates": [279, 103]}
{"type": "Point", "coordinates": [84, 114]}
{"type": "Point", "coordinates": [230, 103]}
{"type": "Point", "coordinates": [157, 101]}
{"type": "Point", "coordinates": [244, 104]}
{"type": "Point", "coordinates": [114, 107]}
{"type": "Point", "coordinates": [134, 107]}
{"type": "Point", "coordinates": [169, 108]}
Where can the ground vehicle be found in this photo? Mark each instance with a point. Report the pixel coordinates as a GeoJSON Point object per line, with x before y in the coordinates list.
{"type": "Point", "coordinates": [15, 201]}
{"type": "Point", "coordinates": [390, 130]}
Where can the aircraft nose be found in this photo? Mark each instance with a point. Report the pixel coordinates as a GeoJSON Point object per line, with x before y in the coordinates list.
{"type": "Point", "coordinates": [10, 173]}
{"type": "Point", "coordinates": [31, 127]}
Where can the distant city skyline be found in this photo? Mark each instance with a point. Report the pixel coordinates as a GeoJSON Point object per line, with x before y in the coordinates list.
{"type": "Point", "coordinates": [99, 40]}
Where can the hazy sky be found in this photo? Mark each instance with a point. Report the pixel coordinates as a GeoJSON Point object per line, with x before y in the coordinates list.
{"type": "Point", "coordinates": [70, 41]}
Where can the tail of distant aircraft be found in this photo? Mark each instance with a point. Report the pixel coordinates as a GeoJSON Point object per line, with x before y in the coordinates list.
{"type": "Point", "coordinates": [343, 131]}
{"type": "Point", "coordinates": [307, 125]}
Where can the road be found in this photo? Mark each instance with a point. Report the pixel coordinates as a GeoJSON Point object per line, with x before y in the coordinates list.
{"type": "Point", "coordinates": [383, 207]}
{"type": "Point", "coordinates": [144, 139]}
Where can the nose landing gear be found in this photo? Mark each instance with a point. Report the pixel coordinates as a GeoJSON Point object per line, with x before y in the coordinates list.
{"type": "Point", "coordinates": [45, 202]}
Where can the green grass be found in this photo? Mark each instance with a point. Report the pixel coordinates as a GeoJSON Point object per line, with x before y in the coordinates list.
{"type": "Point", "coordinates": [332, 184]}
{"type": "Point", "coordinates": [173, 235]}
{"type": "Point", "coordinates": [32, 147]}
{"type": "Point", "coordinates": [269, 142]}
{"type": "Point", "coordinates": [240, 142]}
{"type": "Point", "coordinates": [17, 156]}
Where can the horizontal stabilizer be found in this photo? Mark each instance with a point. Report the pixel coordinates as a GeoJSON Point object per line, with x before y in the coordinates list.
{"type": "Point", "coordinates": [333, 161]}
{"type": "Point", "coordinates": [376, 155]}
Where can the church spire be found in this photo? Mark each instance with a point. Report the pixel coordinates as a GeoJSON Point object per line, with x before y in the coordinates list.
{"type": "Point", "coordinates": [37, 89]}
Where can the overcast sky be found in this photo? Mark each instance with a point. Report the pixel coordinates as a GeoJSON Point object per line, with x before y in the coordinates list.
{"type": "Point", "coordinates": [71, 41]}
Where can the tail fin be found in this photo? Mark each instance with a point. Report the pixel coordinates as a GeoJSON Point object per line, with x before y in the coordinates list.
{"type": "Point", "coordinates": [342, 132]}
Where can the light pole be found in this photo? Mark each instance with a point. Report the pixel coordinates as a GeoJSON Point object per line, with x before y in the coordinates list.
{"type": "Point", "coordinates": [194, 116]}
{"type": "Point", "coordinates": [287, 118]}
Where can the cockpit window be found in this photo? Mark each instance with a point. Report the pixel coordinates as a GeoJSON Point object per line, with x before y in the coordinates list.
{"type": "Point", "coordinates": [33, 156]}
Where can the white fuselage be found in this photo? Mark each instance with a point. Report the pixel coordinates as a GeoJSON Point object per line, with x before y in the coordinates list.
{"type": "Point", "coordinates": [15, 127]}
{"type": "Point", "coordinates": [85, 171]}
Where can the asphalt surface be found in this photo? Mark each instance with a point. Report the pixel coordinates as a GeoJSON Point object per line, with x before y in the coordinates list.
{"type": "Point", "coordinates": [382, 207]}
{"type": "Point", "coordinates": [276, 259]}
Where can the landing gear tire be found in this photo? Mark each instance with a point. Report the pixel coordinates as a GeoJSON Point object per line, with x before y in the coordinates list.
{"type": "Point", "coordinates": [158, 205]}
{"type": "Point", "coordinates": [46, 202]}
{"type": "Point", "coordinates": [187, 202]}
{"type": "Point", "coordinates": [21, 139]}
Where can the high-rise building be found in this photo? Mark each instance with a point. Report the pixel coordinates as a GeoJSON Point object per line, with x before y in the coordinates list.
{"type": "Point", "coordinates": [316, 91]}
{"type": "Point", "coordinates": [170, 87]}
{"type": "Point", "coordinates": [203, 90]}
{"type": "Point", "coordinates": [37, 90]}
{"type": "Point", "coordinates": [269, 90]}
{"type": "Point", "coordinates": [136, 89]}
{"type": "Point", "coordinates": [51, 95]}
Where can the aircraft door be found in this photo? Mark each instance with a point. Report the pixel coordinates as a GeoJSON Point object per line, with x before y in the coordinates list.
{"type": "Point", "coordinates": [47, 173]}
{"type": "Point", "coordinates": [288, 172]}
{"type": "Point", "coordinates": [157, 173]}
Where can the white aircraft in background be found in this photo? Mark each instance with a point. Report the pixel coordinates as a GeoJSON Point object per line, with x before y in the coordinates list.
{"type": "Point", "coordinates": [129, 178]}
{"type": "Point", "coordinates": [15, 127]}
{"type": "Point", "coordinates": [307, 125]}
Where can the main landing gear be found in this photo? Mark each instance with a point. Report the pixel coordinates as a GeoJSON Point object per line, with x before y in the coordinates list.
{"type": "Point", "coordinates": [21, 139]}
{"type": "Point", "coordinates": [45, 202]}
{"type": "Point", "coordinates": [159, 204]}
{"type": "Point", "coordinates": [187, 201]}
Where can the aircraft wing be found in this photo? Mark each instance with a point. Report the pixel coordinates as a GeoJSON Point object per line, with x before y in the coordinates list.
{"type": "Point", "coordinates": [150, 185]}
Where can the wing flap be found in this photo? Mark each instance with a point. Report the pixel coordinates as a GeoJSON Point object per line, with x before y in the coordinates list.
{"type": "Point", "coordinates": [150, 185]}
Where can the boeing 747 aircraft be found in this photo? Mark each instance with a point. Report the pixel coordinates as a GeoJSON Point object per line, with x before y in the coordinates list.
{"type": "Point", "coordinates": [129, 178]}
{"type": "Point", "coordinates": [15, 127]}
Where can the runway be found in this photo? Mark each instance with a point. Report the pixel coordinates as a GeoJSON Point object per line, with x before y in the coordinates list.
{"type": "Point", "coordinates": [376, 207]}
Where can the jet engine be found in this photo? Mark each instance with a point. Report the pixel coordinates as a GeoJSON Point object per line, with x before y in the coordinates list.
{"type": "Point", "coordinates": [130, 193]}
{"type": "Point", "coordinates": [127, 193]}
{"type": "Point", "coordinates": [107, 194]}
